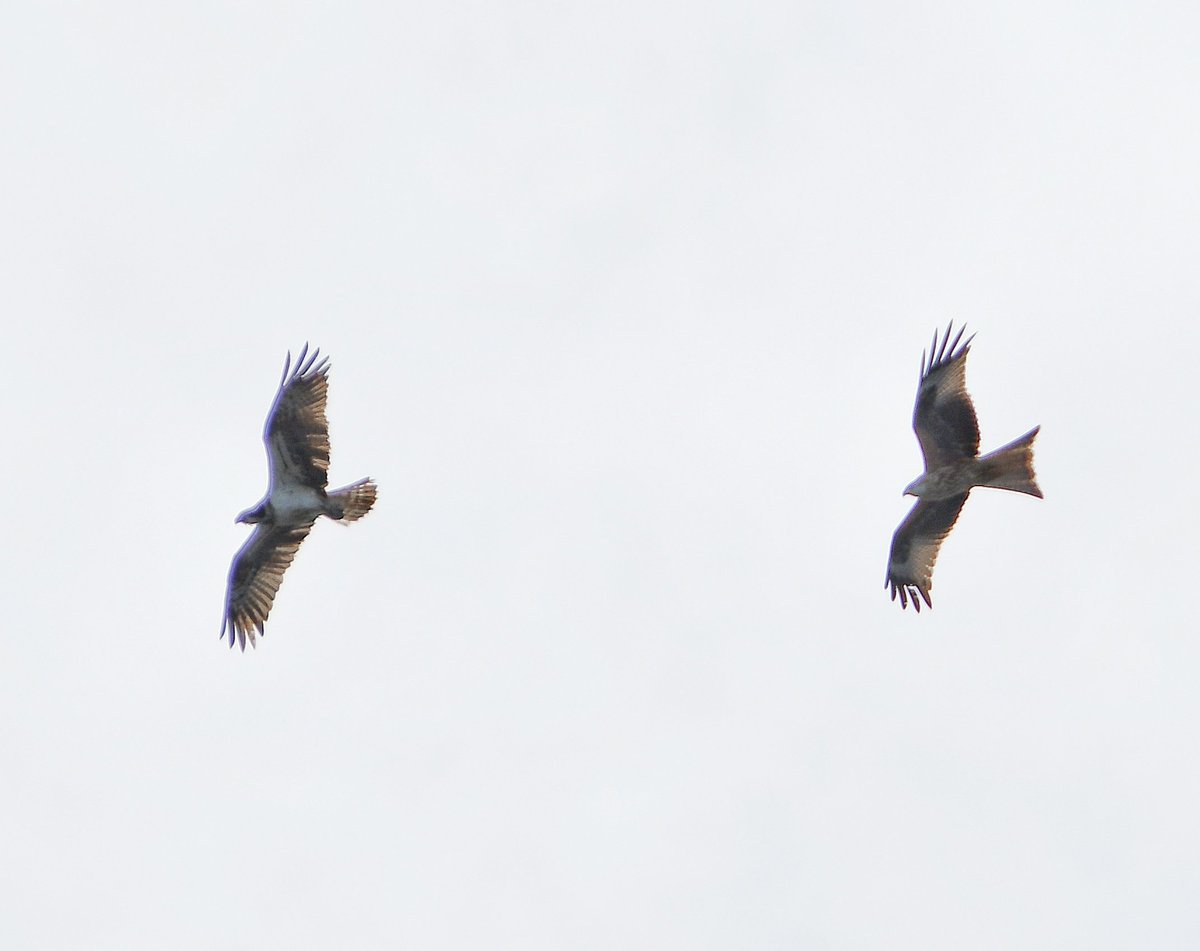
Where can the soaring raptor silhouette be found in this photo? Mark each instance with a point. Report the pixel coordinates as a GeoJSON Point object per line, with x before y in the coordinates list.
{"type": "Point", "coordinates": [945, 424]}
{"type": "Point", "coordinates": [297, 440]}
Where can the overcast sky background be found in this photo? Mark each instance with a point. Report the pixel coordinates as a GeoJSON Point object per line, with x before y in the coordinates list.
{"type": "Point", "coordinates": [625, 304]}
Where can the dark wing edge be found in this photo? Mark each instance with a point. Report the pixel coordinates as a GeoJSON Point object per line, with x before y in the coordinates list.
{"type": "Point", "coordinates": [915, 549]}
{"type": "Point", "coordinates": [296, 432]}
{"type": "Point", "coordinates": [943, 415]}
{"type": "Point", "coordinates": [255, 577]}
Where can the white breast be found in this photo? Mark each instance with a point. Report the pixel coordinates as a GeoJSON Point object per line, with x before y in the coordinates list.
{"type": "Point", "coordinates": [295, 502]}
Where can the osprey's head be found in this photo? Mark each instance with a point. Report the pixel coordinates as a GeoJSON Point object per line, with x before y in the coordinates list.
{"type": "Point", "coordinates": [252, 516]}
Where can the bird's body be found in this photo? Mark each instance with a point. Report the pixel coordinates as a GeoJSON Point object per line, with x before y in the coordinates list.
{"type": "Point", "coordinates": [946, 427]}
{"type": "Point", "coordinates": [291, 502]}
{"type": "Point", "coordinates": [994, 470]}
{"type": "Point", "coordinates": [297, 440]}
{"type": "Point", "coordinates": [942, 483]}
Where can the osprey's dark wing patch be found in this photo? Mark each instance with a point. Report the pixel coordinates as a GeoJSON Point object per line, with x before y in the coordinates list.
{"type": "Point", "coordinates": [296, 433]}
{"type": "Point", "coordinates": [255, 576]}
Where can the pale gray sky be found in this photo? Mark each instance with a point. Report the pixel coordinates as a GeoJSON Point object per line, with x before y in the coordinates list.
{"type": "Point", "coordinates": [625, 304]}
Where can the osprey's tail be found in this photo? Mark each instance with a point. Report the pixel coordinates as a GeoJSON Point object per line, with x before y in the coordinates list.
{"type": "Point", "coordinates": [1011, 466]}
{"type": "Point", "coordinates": [353, 501]}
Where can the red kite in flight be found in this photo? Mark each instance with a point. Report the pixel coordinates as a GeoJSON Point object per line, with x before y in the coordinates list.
{"type": "Point", "coordinates": [297, 440]}
{"type": "Point", "coordinates": [945, 424]}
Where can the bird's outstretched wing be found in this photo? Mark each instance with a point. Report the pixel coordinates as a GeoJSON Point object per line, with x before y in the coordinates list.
{"type": "Point", "coordinates": [915, 548]}
{"type": "Point", "coordinates": [296, 433]}
{"type": "Point", "coordinates": [255, 576]}
{"type": "Point", "coordinates": [944, 417]}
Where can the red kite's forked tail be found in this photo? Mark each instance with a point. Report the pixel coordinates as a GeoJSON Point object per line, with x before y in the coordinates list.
{"type": "Point", "coordinates": [1011, 466]}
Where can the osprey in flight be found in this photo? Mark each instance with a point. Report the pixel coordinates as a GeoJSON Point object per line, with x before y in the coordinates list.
{"type": "Point", "coordinates": [297, 440]}
{"type": "Point", "coordinates": [944, 421]}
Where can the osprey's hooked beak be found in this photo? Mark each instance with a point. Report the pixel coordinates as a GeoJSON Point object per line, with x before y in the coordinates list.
{"type": "Point", "coordinates": [911, 488]}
